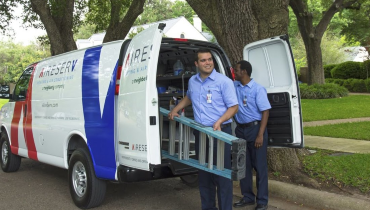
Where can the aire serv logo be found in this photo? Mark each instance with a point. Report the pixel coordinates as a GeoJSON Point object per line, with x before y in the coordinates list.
{"type": "Point", "coordinates": [60, 68]}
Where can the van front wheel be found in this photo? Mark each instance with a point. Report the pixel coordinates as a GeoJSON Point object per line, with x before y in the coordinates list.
{"type": "Point", "coordinates": [9, 161]}
{"type": "Point", "coordinates": [86, 189]}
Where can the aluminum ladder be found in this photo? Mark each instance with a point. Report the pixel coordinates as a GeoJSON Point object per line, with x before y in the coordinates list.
{"type": "Point", "coordinates": [238, 147]}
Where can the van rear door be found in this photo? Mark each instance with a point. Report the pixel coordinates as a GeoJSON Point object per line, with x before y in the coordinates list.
{"type": "Point", "coordinates": [137, 103]}
{"type": "Point", "coordinates": [273, 67]}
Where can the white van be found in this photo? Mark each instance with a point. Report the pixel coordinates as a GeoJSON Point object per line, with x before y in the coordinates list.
{"type": "Point", "coordinates": [96, 112]}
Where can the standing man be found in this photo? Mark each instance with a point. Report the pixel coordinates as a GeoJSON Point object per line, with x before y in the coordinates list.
{"type": "Point", "coordinates": [251, 122]}
{"type": "Point", "coordinates": [214, 102]}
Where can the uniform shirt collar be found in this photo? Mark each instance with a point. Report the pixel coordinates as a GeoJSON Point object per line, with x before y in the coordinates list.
{"type": "Point", "coordinates": [212, 76]}
{"type": "Point", "coordinates": [250, 83]}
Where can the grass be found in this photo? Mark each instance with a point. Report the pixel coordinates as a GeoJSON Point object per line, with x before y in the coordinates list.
{"type": "Point", "coordinates": [355, 130]}
{"type": "Point", "coordinates": [345, 170]}
{"type": "Point", "coordinates": [352, 106]}
{"type": "Point", "coordinates": [3, 101]}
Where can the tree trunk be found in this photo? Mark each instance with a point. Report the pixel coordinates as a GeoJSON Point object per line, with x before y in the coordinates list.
{"type": "Point", "coordinates": [58, 24]}
{"type": "Point", "coordinates": [312, 35]}
{"type": "Point", "coordinates": [314, 61]}
{"type": "Point", "coordinates": [235, 23]}
{"type": "Point", "coordinates": [118, 29]}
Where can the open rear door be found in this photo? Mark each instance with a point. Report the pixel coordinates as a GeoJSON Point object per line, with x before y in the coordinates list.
{"type": "Point", "coordinates": [137, 106]}
{"type": "Point", "coordinates": [273, 67]}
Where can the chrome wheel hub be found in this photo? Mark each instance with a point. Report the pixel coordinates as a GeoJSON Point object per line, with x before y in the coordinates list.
{"type": "Point", "coordinates": [4, 153]}
{"type": "Point", "coordinates": [79, 179]}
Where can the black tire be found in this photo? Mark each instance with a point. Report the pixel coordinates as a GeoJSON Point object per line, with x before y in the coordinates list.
{"type": "Point", "coordinates": [86, 189]}
{"type": "Point", "coordinates": [9, 161]}
{"type": "Point", "coordinates": [190, 180]}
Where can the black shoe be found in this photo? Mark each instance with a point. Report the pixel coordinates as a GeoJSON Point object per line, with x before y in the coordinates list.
{"type": "Point", "coordinates": [261, 207]}
{"type": "Point", "coordinates": [242, 203]}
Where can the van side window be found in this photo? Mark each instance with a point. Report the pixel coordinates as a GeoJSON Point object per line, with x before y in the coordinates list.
{"type": "Point", "coordinates": [20, 89]}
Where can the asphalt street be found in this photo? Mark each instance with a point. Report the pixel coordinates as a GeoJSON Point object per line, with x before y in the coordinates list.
{"type": "Point", "coordinates": [40, 186]}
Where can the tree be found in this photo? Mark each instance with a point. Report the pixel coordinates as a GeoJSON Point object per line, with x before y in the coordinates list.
{"type": "Point", "coordinates": [62, 18]}
{"type": "Point", "coordinates": [236, 23]}
{"type": "Point", "coordinates": [312, 33]}
{"type": "Point", "coordinates": [115, 16]}
{"type": "Point", "coordinates": [58, 18]}
{"type": "Point", "coordinates": [14, 58]}
{"type": "Point", "coordinates": [358, 27]}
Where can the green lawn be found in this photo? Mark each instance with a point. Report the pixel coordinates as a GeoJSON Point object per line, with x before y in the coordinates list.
{"type": "Point", "coordinates": [345, 170]}
{"type": "Point", "coordinates": [353, 106]}
{"type": "Point", "coordinates": [3, 101]}
{"type": "Point", "coordinates": [356, 130]}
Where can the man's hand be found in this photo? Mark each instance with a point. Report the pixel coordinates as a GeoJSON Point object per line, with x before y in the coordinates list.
{"type": "Point", "coordinates": [173, 114]}
{"type": "Point", "coordinates": [217, 126]}
{"type": "Point", "coordinates": [259, 141]}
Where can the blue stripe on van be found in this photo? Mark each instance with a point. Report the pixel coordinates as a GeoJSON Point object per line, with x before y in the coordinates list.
{"type": "Point", "coordinates": [99, 130]}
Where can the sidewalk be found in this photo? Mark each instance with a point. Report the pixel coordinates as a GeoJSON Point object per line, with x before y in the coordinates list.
{"type": "Point", "coordinates": [316, 198]}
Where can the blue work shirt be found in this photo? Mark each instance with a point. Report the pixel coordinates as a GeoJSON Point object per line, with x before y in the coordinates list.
{"type": "Point", "coordinates": [223, 96]}
{"type": "Point", "coordinates": [256, 101]}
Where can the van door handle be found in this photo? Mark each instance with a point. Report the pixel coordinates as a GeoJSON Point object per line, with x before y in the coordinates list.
{"type": "Point", "coordinates": [25, 110]}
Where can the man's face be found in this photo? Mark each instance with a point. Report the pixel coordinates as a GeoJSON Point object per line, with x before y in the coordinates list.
{"type": "Point", "coordinates": [205, 63]}
{"type": "Point", "coordinates": [238, 72]}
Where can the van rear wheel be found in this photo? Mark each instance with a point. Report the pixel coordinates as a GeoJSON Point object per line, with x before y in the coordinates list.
{"type": "Point", "coordinates": [9, 161]}
{"type": "Point", "coordinates": [190, 180]}
{"type": "Point", "coordinates": [86, 189]}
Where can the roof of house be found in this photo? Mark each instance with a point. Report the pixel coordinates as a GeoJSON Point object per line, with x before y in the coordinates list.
{"type": "Point", "coordinates": [98, 38]}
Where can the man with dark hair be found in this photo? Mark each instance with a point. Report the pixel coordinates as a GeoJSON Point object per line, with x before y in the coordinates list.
{"type": "Point", "coordinates": [251, 120]}
{"type": "Point", "coordinates": [214, 103]}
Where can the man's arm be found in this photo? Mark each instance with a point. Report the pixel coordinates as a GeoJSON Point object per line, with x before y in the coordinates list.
{"type": "Point", "coordinates": [184, 103]}
{"type": "Point", "coordinates": [259, 139]}
{"type": "Point", "coordinates": [230, 112]}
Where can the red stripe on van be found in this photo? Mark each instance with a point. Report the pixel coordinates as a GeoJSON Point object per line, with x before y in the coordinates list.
{"type": "Point", "coordinates": [14, 127]}
{"type": "Point", "coordinates": [27, 122]}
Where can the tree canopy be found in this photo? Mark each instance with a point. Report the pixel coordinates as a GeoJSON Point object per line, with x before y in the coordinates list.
{"type": "Point", "coordinates": [14, 58]}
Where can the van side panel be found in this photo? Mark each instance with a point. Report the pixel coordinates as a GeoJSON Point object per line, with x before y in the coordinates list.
{"type": "Point", "coordinates": [99, 121]}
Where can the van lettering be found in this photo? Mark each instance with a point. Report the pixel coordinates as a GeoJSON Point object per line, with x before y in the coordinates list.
{"type": "Point", "coordinates": [142, 56]}
{"type": "Point", "coordinates": [74, 64]}
{"type": "Point", "coordinates": [137, 54]}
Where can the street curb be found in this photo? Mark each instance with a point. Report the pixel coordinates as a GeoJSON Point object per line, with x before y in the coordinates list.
{"type": "Point", "coordinates": [310, 197]}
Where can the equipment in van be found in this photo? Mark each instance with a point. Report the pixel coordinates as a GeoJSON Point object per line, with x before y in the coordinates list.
{"type": "Point", "coordinates": [97, 112]}
{"type": "Point", "coordinates": [178, 67]}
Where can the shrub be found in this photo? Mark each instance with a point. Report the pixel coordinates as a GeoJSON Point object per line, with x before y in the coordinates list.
{"type": "Point", "coordinates": [335, 81]}
{"type": "Point", "coordinates": [329, 80]}
{"type": "Point", "coordinates": [366, 69]}
{"type": "Point", "coordinates": [347, 84]}
{"type": "Point", "coordinates": [327, 70]}
{"type": "Point", "coordinates": [348, 70]}
{"type": "Point", "coordinates": [316, 91]}
{"type": "Point", "coordinates": [367, 83]}
{"type": "Point", "coordinates": [358, 85]}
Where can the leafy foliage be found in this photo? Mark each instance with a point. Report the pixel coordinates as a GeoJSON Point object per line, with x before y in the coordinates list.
{"type": "Point", "coordinates": [6, 14]}
{"type": "Point", "coordinates": [349, 69]}
{"type": "Point", "coordinates": [327, 70]}
{"type": "Point", "coordinates": [358, 24]}
{"type": "Point", "coordinates": [57, 9]}
{"type": "Point", "coordinates": [324, 91]}
{"type": "Point", "coordinates": [14, 58]}
{"type": "Point", "coordinates": [100, 13]}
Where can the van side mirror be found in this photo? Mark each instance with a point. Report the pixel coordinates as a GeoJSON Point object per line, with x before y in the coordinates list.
{"type": "Point", "coordinates": [5, 92]}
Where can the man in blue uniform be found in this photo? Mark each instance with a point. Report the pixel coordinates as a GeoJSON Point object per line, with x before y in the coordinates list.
{"type": "Point", "coordinates": [214, 103]}
{"type": "Point", "coordinates": [251, 122]}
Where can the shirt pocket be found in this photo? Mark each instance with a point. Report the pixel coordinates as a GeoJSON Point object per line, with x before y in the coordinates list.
{"type": "Point", "coordinates": [215, 96]}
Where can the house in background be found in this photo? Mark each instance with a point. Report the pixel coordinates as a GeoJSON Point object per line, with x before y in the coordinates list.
{"type": "Point", "coordinates": [357, 54]}
{"type": "Point", "coordinates": [175, 28]}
